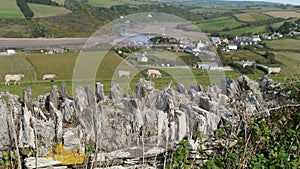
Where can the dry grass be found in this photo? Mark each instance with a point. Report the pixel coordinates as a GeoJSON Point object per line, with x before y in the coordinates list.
{"type": "Point", "coordinates": [288, 44]}
{"type": "Point", "coordinates": [16, 64]}
{"type": "Point", "coordinates": [252, 17]}
{"type": "Point", "coordinates": [283, 14]}
{"type": "Point", "coordinates": [47, 10]}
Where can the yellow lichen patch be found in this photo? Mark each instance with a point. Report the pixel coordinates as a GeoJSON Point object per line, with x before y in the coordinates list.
{"type": "Point", "coordinates": [66, 157]}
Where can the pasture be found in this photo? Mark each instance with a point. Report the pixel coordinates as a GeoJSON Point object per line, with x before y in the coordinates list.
{"type": "Point", "coordinates": [16, 64]}
{"type": "Point", "coordinates": [254, 30]}
{"type": "Point", "coordinates": [47, 10]}
{"type": "Point", "coordinates": [284, 44]}
{"type": "Point", "coordinates": [218, 24]}
{"type": "Point", "coordinates": [283, 14]}
{"type": "Point", "coordinates": [110, 3]}
{"type": "Point", "coordinates": [252, 17]}
{"type": "Point", "coordinates": [291, 62]}
{"type": "Point", "coordinates": [9, 9]}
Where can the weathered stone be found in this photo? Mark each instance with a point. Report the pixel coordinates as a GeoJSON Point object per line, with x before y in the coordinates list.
{"type": "Point", "coordinates": [42, 162]}
{"type": "Point", "coordinates": [68, 110]}
{"type": "Point", "coordinates": [73, 138]}
{"type": "Point", "coordinates": [63, 91]}
{"type": "Point", "coordinates": [116, 93]}
{"type": "Point", "coordinates": [26, 133]}
{"type": "Point", "coordinates": [99, 92]}
{"type": "Point", "coordinates": [45, 133]}
{"type": "Point", "coordinates": [54, 97]}
{"type": "Point", "coordinates": [181, 89]}
{"type": "Point", "coordinates": [143, 88]}
{"type": "Point", "coordinates": [27, 98]}
{"type": "Point", "coordinates": [4, 130]}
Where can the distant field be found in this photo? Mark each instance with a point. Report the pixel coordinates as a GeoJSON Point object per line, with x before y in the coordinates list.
{"type": "Point", "coordinates": [254, 30]}
{"type": "Point", "coordinates": [277, 25]}
{"type": "Point", "coordinates": [110, 3]}
{"type": "Point", "coordinates": [283, 14]}
{"type": "Point", "coordinates": [47, 10]}
{"type": "Point", "coordinates": [290, 60]}
{"type": "Point", "coordinates": [252, 17]}
{"type": "Point", "coordinates": [288, 44]}
{"type": "Point", "coordinates": [9, 9]}
{"type": "Point", "coordinates": [210, 10]}
{"type": "Point", "coordinates": [218, 24]}
{"type": "Point", "coordinates": [16, 64]}
{"type": "Point", "coordinates": [248, 55]}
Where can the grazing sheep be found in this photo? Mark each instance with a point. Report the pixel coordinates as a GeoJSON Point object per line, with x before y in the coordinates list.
{"type": "Point", "coordinates": [16, 78]}
{"type": "Point", "coordinates": [124, 73]}
{"type": "Point", "coordinates": [49, 77]}
{"type": "Point", "coordinates": [153, 73]}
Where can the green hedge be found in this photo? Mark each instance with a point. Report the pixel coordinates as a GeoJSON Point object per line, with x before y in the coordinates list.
{"type": "Point", "coordinates": [27, 12]}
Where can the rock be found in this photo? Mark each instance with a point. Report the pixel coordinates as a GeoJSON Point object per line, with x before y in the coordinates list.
{"type": "Point", "coordinates": [73, 138]}
{"type": "Point", "coordinates": [26, 133]}
{"type": "Point", "coordinates": [143, 88]}
{"type": "Point", "coordinates": [116, 93]}
{"type": "Point", "coordinates": [181, 89]}
{"type": "Point", "coordinates": [54, 97]}
{"type": "Point", "coordinates": [63, 91]}
{"type": "Point", "coordinates": [45, 133]}
{"type": "Point", "coordinates": [57, 117]}
{"type": "Point", "coordinates": [4, 134]}
{"type": "Point", "coordinates": [68, 110]}
{"type": "Point", "coordinates": [42, 162]}
{"type": "Point", "coordinates": [27, 98]}
{"type": "Point", "coordinates": [204, 101]}
{"type": "Point", "coordinates": [99, 92]}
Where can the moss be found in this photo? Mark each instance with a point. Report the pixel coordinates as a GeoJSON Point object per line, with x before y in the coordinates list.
{"type": "Point", "coordinates": [66, 157]}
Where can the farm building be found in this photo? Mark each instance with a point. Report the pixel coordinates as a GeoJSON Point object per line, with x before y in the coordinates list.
{"type": "Point", "coordinates": [142, 59]}
{"type": "Point", "coordinates": [232, 47]}
{"type": "Point", "coordinates": [10, 51]}
{"type": "Point", "coordinates": [206, 66]}
{"type": "Point", "coordinates": [245, 63]}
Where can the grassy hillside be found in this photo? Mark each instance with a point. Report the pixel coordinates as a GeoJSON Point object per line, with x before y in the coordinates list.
{"type": "Point", "coordinates": [284, 14]}
{"type": "Point", "coordinates": [252, 17]}
{"type": "Point", "coordinates": [9, 9]}
{"type": "Point", "coordinates": [110, 3]}
{"type": "Point", "coordinates": [217, 24]}
{"type": "Point", "coordinates": [46, 10]}
{"type": "Point", "coordinates": [288, 44]}
{"type": "Point", "coordinates": [254, 30]}
{"type": "Point", "coordinates": [16, 64]}
{"type": "Point", "coordinates": [290, 60]}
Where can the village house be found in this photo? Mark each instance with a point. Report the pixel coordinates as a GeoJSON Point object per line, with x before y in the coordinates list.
{"type": "Point", "coordinates": [142, 58]}
{"type": "Point", "coordinates": [245, 63]}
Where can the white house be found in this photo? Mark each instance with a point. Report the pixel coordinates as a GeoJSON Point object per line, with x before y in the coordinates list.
{"type": "Point", "coordinates": [255, 38]}
{"type": "Point", "coordinates": [10, 51]}
{"type": "Point", "coordinates": [232, 47]}
{"type": "Point", "coordinates": [142, 59]}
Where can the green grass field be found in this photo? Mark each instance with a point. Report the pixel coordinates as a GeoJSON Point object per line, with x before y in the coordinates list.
{"type": "Point", "coordinates": [210, 10]}
{"type": "Point", "coordinates": [16, 64]}
{"type": "Point", "coordinates": [47, 10]}
{"type": "Point", "coordinates": [110, 3]}
{"type": "Point", "coordinates": [254, 30]}
{"type": "Point", "coordinates": [290, 60]}
{"type": "Point", "coordinates": [252, 17]}
{"type": "Point", "coordinates": [284, 44]}
{"type": "Point", "coordinates": [9, 9]}
{"type": "Point", "coordinates": [218, 24]}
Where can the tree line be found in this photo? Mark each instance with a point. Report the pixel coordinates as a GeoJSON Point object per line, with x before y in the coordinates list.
{"type": "Point", "coordinates": [27, 12]}
{"type": "Point", "coordinates": [45, 2]}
